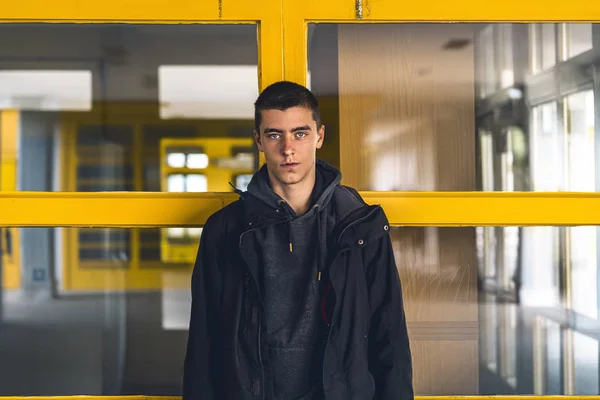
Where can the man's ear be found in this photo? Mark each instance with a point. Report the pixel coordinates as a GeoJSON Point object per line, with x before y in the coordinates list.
{"type": "Point", "coordinates": [321, 136]}
{"type": "Point", "coordinates": [257, 140]}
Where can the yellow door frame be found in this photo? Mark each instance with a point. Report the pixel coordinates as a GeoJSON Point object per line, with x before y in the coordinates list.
{"type": "Point", "coordinates": [282, 54]}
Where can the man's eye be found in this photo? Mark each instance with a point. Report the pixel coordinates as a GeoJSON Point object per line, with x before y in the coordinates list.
{"type": "Point", "coordinates": [301, 134]}
{"type": "Point", "coordinates": [274, 136]}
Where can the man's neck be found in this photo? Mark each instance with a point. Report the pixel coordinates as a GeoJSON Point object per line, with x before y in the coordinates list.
{"type": "Point", "coordinates": [298, 196]}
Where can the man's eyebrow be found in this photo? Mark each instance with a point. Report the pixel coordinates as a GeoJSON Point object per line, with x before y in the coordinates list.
{"type": "Point", "coordinates": [301, 128]}
{"type": "Point", "coordinates": [296, 129]}
{"type": "Point", "coordinates": [269, 130]}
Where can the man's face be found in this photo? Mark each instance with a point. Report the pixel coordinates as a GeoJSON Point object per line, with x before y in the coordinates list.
{"type": "Point", "coordinates": [289, 140]}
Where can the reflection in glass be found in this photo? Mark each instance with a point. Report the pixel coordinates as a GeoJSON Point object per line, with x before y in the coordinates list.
{"type": "Point", "coordinates": [487, 65]}
{"type": "Point", "coordinates": [577, 39]}
{"type": "Point", "coordinates": [547, 149]}
{"type": "Point", "coordinates": [508, 344]}
{"type": "Point", "coordinates": [542, 47]}
{"type": "Point", "coordinates": [505, 51]}
{"type": "Point", "coordinates": [120, 325]}
{"type": "Point", "coordinates": [176, 183]}
{"type": "Point", "coordinates": [176, 160]}
{"type": "Point", "coordinates": [197, 160]}
{"type": "Point", "coordinates": [208, 91]}
{"type": "Point", "coordinates": [585, 355]}
{"type": "Point", "coordinates": [579, 109]}
{"type": "Point", "coordinates": [242, 181]}
{"type": "Point", "coordinates": [463, 107]}
{"type": "Point", "coordinates": [46, 90]}
{"type": "Point", "coordinates": [547, 350]}
{"type": "Point", "coordinates": [196, 183]}
{"type": "Point", "coordinates": [488, 332]}
{"type": "Point", "coordinates": [111, 92]}
{"type": "Point", "coordinates": [112, 327]}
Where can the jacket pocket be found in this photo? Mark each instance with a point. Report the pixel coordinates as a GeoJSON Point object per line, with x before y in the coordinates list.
{"type": "Point", "coordinates": [355, 382]}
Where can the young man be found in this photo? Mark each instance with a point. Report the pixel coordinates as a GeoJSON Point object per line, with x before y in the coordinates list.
{"type": "Point", "coordinates": [295, 289]}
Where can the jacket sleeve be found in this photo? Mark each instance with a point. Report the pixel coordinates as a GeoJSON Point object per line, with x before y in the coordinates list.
{"type": "Point", "coordinates": [390, 360]}
{"type": "Point", "coordinates": [202, 365]}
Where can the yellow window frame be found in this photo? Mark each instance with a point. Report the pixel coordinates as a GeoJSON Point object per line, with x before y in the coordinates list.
{"type": "Point", "coordinates": [282, 54]}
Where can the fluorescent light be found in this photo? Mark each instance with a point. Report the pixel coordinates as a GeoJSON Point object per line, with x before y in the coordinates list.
{"type": "Point", "coordinates": [207, 91]}
{"type": "Point", "coordinates": [50, 90]}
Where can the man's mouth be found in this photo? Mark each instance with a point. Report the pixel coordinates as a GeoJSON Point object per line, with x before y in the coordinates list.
{"type": "Point", "coordinates": [290, 165]}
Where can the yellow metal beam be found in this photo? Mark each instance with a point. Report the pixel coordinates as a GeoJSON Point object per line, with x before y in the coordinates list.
{"type": "Point", "coordinates": [192, 209]}
{"type": "Point", "coordinates": [138, 11]}
{"type": "Point", "coordinates": [444, 11]}
{"type": "Point", "coordinates": [501, 397]}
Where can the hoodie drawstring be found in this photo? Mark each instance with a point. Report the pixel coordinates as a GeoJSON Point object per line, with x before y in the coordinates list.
{"type": "Point", "coordinates": [319, 261]}
{"type": "Point", "coordinates": [281, 202]}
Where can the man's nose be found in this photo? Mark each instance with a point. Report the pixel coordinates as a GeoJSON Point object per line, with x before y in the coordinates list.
{"type": "Point", "coordinates": [287, 145]}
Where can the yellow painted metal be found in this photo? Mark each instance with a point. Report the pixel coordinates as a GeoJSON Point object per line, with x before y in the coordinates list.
{"type": "Point", "coordinates": [9, 237]}
{"type": "Point", "coordinates": [442, 11]}
{"type": "Point", "coordinates": [295, 41]}
{"type": "Point", "coordinates": [494, 397]}
{"type": "Point", "coordinates": [140, 11]}
{"type": "Point", "coordinates": [403, 208]}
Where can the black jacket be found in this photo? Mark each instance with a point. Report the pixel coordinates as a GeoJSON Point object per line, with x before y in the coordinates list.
{"type": "Point", "coordinates": [367, 353]}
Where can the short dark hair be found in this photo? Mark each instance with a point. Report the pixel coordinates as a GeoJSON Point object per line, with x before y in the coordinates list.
{"type": "Point", "coordinates": [283, 95]}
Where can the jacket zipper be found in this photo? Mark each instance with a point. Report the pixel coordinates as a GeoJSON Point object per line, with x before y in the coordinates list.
{"type": "Point", "coordinates": [259, 344]}
{"type": "Point", "coordinates": [336, 309]}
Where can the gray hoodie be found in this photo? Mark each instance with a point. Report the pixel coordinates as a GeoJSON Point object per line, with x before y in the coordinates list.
{"type": "Point", "coordinates": [292, 256]}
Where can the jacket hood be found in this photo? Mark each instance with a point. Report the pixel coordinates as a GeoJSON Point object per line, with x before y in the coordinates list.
{"type": "Point", "coordinates": [326, 180]}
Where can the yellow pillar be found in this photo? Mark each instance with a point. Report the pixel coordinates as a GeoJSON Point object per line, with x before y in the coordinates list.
{"type": "Point", "coordinates": [9, 151]}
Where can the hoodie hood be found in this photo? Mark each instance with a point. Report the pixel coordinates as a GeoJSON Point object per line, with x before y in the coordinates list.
{"type": "Point", "coordinates": [326, 180]}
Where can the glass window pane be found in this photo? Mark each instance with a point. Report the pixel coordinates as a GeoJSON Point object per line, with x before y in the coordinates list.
{"type": "Point", "coordinates": [410, 124]}
{"type": "Point", "coordinates": [197, 161]}
{"type": "Point", "coordinates": [195, 232]}
{"type": "Point", "coordinates": [129, 301]}
{"type": "Point", "coordinates": [176, 183]}
{"type": "Point", "coordinates": [426, 107]}
{"type": "Point", "coordinates": [578, 39]}
{"type": "Point", "coordinates": [585, 354]}
{"type": "Point", "coordinates": [542, 47]}
{"type": "Point", "coordinates": [505, 45]}
{"type": "Point", "coordinates": [487, 57]}
{"type": "Point", "coordinates": [580, 133]}
{"type": "Point", "coordinates": [548, 46]}
{"type": "Point", "coordinates": [582, 178]}
{"type": "Point", "coordinates": [196, 183]}
{"type": "Point", "coordinates": [208, 91]}
{"type": "Point", "coordinates": [242, 181]}
{"type": "Point", "coordinates": [94, 101]}
{"type": "Point", "coordinates": [46, 90]}
{"type": "Point", "coordinates": [176, 232]}
{"type": "Point", "coordinates": [87, 302]}
{"type": "Point", "coordinates": [176, 160]}
{"type": "Point", "coordinates": [547, 351]}
{"type": "Point", "coordinates": [488, 317]}
{"type": "Point", "coordinates": [547, 149]}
